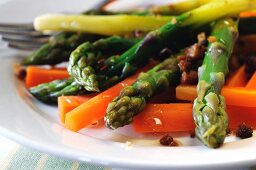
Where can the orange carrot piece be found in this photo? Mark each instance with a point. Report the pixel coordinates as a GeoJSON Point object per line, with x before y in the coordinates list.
{"type": "Point", "coordinates": [36, 75]}
{"type": "Point", "coordinates": [177, 117]}
{"type": "Point", "coordinates": [95, 108]}
{"type": "Point", "coordinates": [248, 14]}
{"type": "Point", "coordinates": [252, 82]}
{"type": "Point", "coordinates": [237, 79]}
{"type": "Point", "coordinates": [186, 92]}
{"type": "Point", "coordinates": [235, 96]}
{"type": "Point", "coordinates": [239, 96]}
{"type": "Point", "coordinates": [173, 117]}
{"type": "Point", "coordinates": [68, 103]}
{"type": "Point", "coordinates": [240, 114]}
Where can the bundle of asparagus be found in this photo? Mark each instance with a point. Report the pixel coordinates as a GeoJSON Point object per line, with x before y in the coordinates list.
{"type": "Point", "coordinates": [97, 62]}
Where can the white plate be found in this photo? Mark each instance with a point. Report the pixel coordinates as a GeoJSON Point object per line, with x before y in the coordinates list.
{"type": "Point", "coordinates": [36, 125]}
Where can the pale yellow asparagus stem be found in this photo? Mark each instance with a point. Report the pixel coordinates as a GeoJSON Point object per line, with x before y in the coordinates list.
{"type": "Point", "coordinates": [178, 7]}
{"type": "Point", "coordinates": [218, 8]}
{"type": "Point", "coordinates": [106, 25]}
{"type": "Point", "coordinates": [122, 24]}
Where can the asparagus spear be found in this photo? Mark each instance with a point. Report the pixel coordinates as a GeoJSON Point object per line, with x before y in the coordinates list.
{"type": "Point", "coordinates": [177, 7]}
{"type": "Point", "coordinates": [58, 48]}
{"type": "Point", "coordinates": [114, 24]}
{"type": "Point", "coordinates": [209, 109]}
{"type": "Point", "coordinates": [49, 92]}
{"type": "Point", "coordinates": [94, 23]}
{"type": "Point", "coordinates": [87, 59]}
{"type": "Point", "coordinates": [173, 34]}
{"type": "Point", "coordinates": [132, 99]}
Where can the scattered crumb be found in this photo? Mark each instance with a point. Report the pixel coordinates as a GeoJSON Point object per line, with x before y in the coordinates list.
{"type": "Point", "coordinates": [168, 140]}
{"type": "Point", "coordinates": [201, 37]}
{"type": "Point", "coordinates": [212, 39]}
{"type": "Point", "coordinates": [228, 132]}
{"type": "Point", "coordinates": [128, 143]}
{"type": "Point", "coordinates": [20, 72]}
{"type": "Point", "coordinates": [192, 134]}
{"type": "Point", "coordinates": [244, 131]}
{"type": "Point", "coordinates": [95, 123]}
{"type": "Point", "coordinates": [174, 20]}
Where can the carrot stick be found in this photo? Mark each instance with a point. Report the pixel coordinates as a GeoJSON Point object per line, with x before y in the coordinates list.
{"type": "Point", "coordinates": [164, 118]}
{"type": "Point", "coordinates": [186, 92]}
{"type": "Point", "coordinates": [252, 82]}
{"type": "Point", "coordinates": [177, 117]}
{"type": "Point", "coordinates": [248, 14]}
{"type": "Point", "coordinates": [237, 79]}
{"type": "Point", "coordinates": [239, 96]}
{"type": "Point", "coordinates": [95, 108]}
{"type": "Point", "coordinates": [68, 103]}
{"type": "Point", "coordinates": [36, 75]}
{"type": "Point", "coordinates": [240, 114]}
{"type": "Point", "coordinates": [235, 96]}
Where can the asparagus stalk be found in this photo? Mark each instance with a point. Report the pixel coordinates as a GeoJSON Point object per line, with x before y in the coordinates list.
{"type": "Point", "coordinates": [49, 92]}
{"type": "Point", "coordinates": [113, 24]}
{"type": "Point", "coordinates": [209, 109]}
{"type": "Point", "coordinates": [58, 48]}
{"type": "Point", "coordinates": [173, 34]}
{"type": "Point", "coordinates": [132, 99]}
{"type": "Point", "coordinates": [177, 7]}
{"type": "Point", "coordinates": [86, 60]}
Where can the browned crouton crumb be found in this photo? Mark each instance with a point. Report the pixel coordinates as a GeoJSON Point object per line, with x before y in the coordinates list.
{"type": "Point", "coordinates": [168, 140]}
{"type": "Point", "coordinates": [244, 131]}
{"type": "Point", "coordinates": [212, 39]}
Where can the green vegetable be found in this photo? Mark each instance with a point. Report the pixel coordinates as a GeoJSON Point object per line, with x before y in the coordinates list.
{"type": "Point", "coordinates": [49, 92]}
{"type": "Point", "coordinates": [174, 34]}
{"type": "Point", "coordinates": [132, 99]}
{"type": "Point", "coordinates": [87, 59]}
{"type": "Point", "coordinates": [58, 48]}
{"type": "Point", "coordinates": [209, 110]}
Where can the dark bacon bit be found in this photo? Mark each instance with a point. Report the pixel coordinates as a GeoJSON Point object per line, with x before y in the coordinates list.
{"type": "Point", "coordinates": [184, 65]}
{"type": "Point", "coordinates": [167, 140]}
{"type": "Point", "coordinates": [243, 131]}
{"type": "Point", "coordinates": [189, 78]}
{"type": "Point", "coordinates": [192, 134]}
{"type": "Point", "coordinates": [195, 52]}
{"type": "Point", "coordinates": [228, 132]}
{"type": "Point", "coordinates": [20, 72]}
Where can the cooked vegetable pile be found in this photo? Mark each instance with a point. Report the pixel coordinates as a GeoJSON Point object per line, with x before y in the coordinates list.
{"type": "Point", "coordinates": [145, 67]}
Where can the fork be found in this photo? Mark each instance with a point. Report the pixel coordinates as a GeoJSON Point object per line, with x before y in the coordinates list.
{"type": "Point", "coordinates": [23, 36]}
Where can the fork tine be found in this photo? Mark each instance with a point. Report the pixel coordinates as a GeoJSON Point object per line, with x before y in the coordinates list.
{"type": "Point", "coordinates": [23, 46]}
{"type": "Point", "coordinates": [26, 26]}
{"type": "Point", "coordinates": [23, 36]}
{"type": "Point", "coordinates": [25, 40]}
{"type": "Point", "coordinates": [31, 33]}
